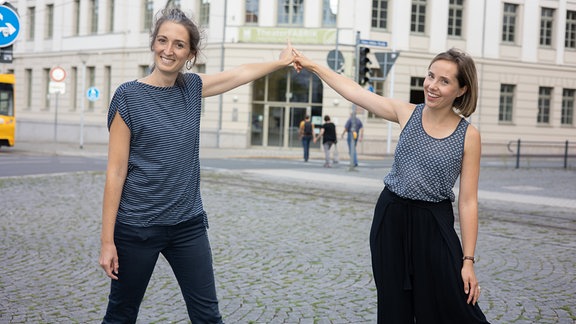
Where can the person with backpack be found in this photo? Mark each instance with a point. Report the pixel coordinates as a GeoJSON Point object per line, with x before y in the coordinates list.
{"type": "Point", "coordinates": [329, 138]}
{"type": "Point", "coordinates": [306, 131]}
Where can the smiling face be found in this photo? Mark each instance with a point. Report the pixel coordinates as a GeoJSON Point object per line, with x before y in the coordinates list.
{"type": "Point", "coordinates": [441, 85]}
{"type": "Point", "coordinates": [171, 47]}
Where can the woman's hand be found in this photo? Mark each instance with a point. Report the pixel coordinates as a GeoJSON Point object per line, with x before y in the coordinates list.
{"type": "Point", "coordinates": [109, 260]}
{"type": "Point", "coordinates": [301, 61]}
{"type": "Point", "coordinates": [471, 286]}
{"type": "Point", "coordinates": [287, 54]}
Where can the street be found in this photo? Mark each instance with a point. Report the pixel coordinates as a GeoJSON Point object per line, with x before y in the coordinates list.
{"type": "Point", "coordinates": [289, 241]}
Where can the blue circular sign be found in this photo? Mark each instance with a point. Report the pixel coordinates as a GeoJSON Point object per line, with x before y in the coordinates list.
{"type": "Point", "coordinates": [93, 94]}
{"type": "Point", "coordinates": [9, 26]}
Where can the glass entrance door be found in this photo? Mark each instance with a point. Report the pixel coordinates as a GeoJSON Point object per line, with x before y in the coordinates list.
{"type": "Point", "coordinates": [276, 126]}
{"type": "Point", "coordinates": [297, 114]}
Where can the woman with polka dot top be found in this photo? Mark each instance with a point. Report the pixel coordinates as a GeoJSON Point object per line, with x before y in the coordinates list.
{"type": "Point", "coordinates": [423, 272]}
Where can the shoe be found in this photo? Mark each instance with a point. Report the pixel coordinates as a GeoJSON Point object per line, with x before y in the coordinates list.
{"type": "Point", "coordinates": [327, 165]}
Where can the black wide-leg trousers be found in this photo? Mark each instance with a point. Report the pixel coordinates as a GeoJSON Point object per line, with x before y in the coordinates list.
{"type": "Point", "coordinates": [417, 262]}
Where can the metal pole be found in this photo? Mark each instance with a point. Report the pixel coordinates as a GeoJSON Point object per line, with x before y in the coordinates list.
{"type": "Point", "coordinates": [221, 97]}
{"type": "Point", "coordinates": [353, 113]}
{"type": "Point", "coordinates": [56, 120]}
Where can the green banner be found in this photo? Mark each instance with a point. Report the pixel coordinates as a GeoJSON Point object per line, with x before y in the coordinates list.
{"type": "Point", "coordinates": [281, 35]}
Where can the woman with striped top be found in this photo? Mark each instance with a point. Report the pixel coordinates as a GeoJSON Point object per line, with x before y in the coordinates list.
{"type": "Point", "coordinates": [152, 201]}
{"type": "Point", "coordinates": [423, 273]}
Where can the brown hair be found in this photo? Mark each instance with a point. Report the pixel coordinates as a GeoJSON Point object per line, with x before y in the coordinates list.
{"type": "Point", "coordinates": [467, 77]}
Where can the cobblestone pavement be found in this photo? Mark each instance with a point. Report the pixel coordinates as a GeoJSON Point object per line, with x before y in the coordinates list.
{"type": "Point", "coordinates": [286, 249]}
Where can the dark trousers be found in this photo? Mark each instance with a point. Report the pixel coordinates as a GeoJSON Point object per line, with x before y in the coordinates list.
{"type": "Point", "coordinates": [186, 248]}
{"type": "Point", "coordinates": [306, 145]}
{"type": "Point", "coordinates": [417, 262]}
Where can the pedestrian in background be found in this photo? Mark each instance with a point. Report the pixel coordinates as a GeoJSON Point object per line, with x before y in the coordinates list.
{"type": "Point", "coordinates": [423, 273]}
{"type": "Point", "coordinates": [355, 131]}
{"type": "Point", "coordinates": [152, 202]}
{"type": "Point", "coordinates": [329, 139]}
{"type": "Point", "coordinates": [306, 132]}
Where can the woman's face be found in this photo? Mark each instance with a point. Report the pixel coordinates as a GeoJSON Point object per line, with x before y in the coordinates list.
{"type": "Point", "coordinates": [441, 86]}
{"type": "Point", "coordinates": [171, 47]}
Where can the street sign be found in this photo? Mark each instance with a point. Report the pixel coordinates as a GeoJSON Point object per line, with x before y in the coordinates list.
{"type": "Point", "coordinates": [9, 26]}
{"type": "Point", "coordinates": [375, 43]}
{"type": "Point", "coordinates": [335, 60]}
{"type": "Point", "coordinates": [56, 87]}
{"type": "Point", "coordinates": [57, 74]}
{"type": "Point", "coordinates": [93, 94]}
{"type": "Point", "coordinates": [386, 61]}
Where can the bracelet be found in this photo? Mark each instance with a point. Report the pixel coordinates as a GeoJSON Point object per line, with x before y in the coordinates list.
{"type": "Point", "coordinates": [471, 258]}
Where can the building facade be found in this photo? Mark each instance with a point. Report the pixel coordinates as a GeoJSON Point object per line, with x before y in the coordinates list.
{"type": "Point", "coordinates": [525, 51]}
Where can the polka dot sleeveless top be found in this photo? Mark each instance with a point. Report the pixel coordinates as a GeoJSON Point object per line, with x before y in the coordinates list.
{"type": "Point", "coordinates": [426, 168]}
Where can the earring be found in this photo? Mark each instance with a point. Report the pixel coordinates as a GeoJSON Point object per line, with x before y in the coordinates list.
{"type": "Point", "coordinates": [189, 65]}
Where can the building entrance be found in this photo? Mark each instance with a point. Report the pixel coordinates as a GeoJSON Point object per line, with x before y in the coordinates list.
{"type": "Point", "coordinates": [281, 101]}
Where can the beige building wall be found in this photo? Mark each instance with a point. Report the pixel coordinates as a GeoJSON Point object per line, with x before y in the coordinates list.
{"type": "Point", "coordinates": [123, 54]}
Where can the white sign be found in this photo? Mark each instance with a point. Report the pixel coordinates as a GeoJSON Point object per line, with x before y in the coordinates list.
{"type": "Point", "coordinates": [56, 87]}
{"type": "Point", "coordinates": [57, 74]}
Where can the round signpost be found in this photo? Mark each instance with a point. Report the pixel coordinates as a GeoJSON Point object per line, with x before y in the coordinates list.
{"type": "Point", "coordinates": [93, 94]}
{"type": "Point", "coordinates": [57, 74]}
{"type": "Point", "coordinates": [9, 26]}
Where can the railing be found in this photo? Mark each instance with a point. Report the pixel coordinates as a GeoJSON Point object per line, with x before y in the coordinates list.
{"type": "Point", "coordinates": [536, 149]}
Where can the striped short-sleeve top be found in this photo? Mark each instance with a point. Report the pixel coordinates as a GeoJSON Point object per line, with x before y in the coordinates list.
{"type": "Point", "coordinates": [162, 186]}
{"type": "Point", "coordinates": [426, 168]}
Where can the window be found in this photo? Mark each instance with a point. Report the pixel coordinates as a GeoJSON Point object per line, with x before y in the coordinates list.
{"type": "Point", "coordinates": [567, 107]}
{"type": "Point", "coordinates": [570, 39]}
{"type": "Point", "coordinates": [329, 13]}
{"type": "Point", "coordinates": [377, 86]}
{"type": "Point", "coordinates": [76, 18]}
{"type": "Point", "coordinates": [31, 22]}
{"type": "Point", "coordinates": [291, 12]}
{"type": "Point", "coordinates": [417, 90]}
{"type": "Point", "coordinates": [506, 102]}
{"type": "Point", "coordinates": [205, 13]}
{"type": "Point", "coordinates": [251, 12]}
{"type": "Point", "coordinates": [110, 24]}
{"type": "Point", "coordinates": [46, 84]}
{"type": "Point", "coordinates": [455, 12]}
{"type": "Point", "coordinates": [28, 79]}
{"type": "Point", "coordinates": [173, 4]}
{"type": "Point", "coordinates": [107, 89]}
{"type": "Point", "coordinates": [91, 82]}
{"type": "Point", "coordinates": [544, 100]}
{"type": "Point", "coordinates": [418, 19]}
{"type": "Point", "coordinates": [144, 70]}
{"type": "Point", "coordinates": [380, 14]}
{"type": "Point", "coordinates": [93, 16]}
{"type": "Point", "coordinates": [509, 23]}
{"type": "Point", "coordinates": [546, 23]}
{"type": "Point", "coordinates": [148, 14]}
{"type": "Point", "coordinates": [49, 31]}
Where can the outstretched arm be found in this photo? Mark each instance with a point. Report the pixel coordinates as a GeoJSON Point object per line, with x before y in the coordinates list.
{"type": "Point", "coordinates": [215, 84]}
{"type": "Point", "coordinates": [391, 109]}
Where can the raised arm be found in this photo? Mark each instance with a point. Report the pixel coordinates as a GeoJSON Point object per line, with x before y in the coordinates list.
{"type": "Point", "coordinates": [215, 84]}
{"type": "Point", "coordinates": [391, 109]}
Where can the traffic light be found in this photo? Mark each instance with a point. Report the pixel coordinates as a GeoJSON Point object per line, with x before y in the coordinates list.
{"type": "Point", "coordinates": [363, 63]}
